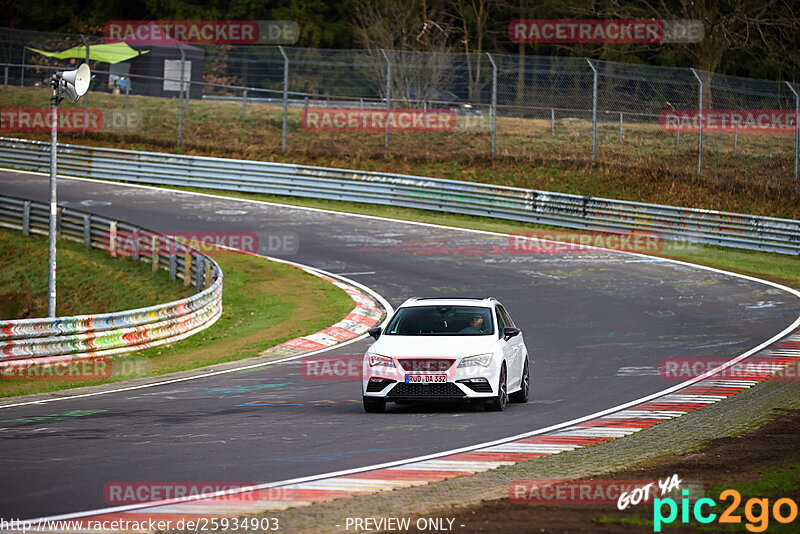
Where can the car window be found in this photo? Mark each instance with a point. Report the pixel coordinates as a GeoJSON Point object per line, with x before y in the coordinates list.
{"type": "Point", "coordinates": [441, 321]}
{"type": "Point", "coordinates": [500, 322]}
{"type": "Point", "coordinates": [509, 321]}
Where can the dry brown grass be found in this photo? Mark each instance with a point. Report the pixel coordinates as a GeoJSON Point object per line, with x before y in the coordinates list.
{"type": "Point", "coordinates": [645, 166]}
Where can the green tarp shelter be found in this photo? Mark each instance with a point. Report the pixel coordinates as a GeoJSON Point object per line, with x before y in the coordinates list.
{"type": "Point", "coordinates": [105, 53]}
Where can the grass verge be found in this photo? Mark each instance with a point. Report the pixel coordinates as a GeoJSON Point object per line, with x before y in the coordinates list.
{"type": "Point", "coordinates": [89, 281]}
{"type": "Point", "coordinates": [264, 304]}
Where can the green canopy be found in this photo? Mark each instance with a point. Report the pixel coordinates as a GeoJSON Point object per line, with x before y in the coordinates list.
{"type": "Point", "coordinates": [105, 53]}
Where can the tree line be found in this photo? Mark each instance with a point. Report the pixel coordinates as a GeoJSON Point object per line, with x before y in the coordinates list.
{"type": "Point", "coordinates": [750, 38]}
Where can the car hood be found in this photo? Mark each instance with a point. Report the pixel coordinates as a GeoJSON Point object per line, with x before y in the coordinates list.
{"type": "Point", "coordinates": [433, 346]}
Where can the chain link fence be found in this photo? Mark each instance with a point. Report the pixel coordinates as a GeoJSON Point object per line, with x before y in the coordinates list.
{"type": "Point", "coordinates": [546, 110]}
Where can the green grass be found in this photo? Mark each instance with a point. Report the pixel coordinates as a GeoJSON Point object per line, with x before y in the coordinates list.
{"type": "Point", "coordinates": [264, 304]}
{"type": "Point", "coordinates": [88, 281]}
{"type": "Point", "coordinates": [773, 483]}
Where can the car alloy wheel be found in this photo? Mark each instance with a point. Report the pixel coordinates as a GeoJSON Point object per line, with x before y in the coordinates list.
{"type": "Point", "coordinates": [498, 404]}
{"type": "Point", "coordinates": [524, 392]}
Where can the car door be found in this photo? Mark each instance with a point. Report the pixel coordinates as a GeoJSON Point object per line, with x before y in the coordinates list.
{"type": "Point", "coordinates": [515, 347]}
{"type": "Point", "coordinates": [510, 353]}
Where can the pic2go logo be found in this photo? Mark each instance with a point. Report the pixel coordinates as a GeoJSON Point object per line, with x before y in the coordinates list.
{"type": "Point", "coordinates": [756, 511]}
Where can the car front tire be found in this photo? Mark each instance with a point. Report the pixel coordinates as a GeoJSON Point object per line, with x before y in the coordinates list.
{"type": "Point", "coordinates": [522, 395]}
{"type": "Point", "coordinates": [498, 404]}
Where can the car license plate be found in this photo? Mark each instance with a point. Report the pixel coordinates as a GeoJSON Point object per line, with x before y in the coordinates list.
{"type": "Point", "coordinates": [426, 378]}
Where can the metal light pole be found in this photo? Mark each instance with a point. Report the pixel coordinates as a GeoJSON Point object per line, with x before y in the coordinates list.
{"type": "Point", "coordinates": [55, 82]}
{"type": "Point", "coordinates": [72, 84]}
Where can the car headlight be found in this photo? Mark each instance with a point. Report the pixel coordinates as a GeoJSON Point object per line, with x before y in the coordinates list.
{"type": "Point", "coordinates": [377, 359]}
{"type": "Point", "coordinates": [482, 360]}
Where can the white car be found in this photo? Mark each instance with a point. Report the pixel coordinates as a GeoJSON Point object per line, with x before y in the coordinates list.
{"type": "Point", "coordinates": [449, 349]}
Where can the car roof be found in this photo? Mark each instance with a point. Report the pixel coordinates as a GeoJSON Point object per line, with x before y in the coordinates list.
{"type": "Point", "coordinates": [450, 301]}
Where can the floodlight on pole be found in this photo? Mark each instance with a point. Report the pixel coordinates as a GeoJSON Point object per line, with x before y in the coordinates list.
{"type": "Point", "coordinates": [71, 84]}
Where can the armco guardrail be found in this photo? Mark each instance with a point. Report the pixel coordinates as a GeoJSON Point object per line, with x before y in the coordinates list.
{"type": "Point", "coordinates": [451, 196]}
{"type": "Point", "coordinates": [107, 334]}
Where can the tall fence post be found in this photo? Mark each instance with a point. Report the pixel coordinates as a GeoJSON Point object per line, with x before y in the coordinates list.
{"type": "Point", "coordinates": [796, 132]}
{"type": "Point", "coordinates": [494, 103]}
{"type": "Point", "coordinates": [180, 97]}
{"type": "Point", "coordinates": [620, 126]}
{"type": "Point", "coordinates": [700, 132]}
{"type": "Point", "coordinates": [552, 122]}
{"type": "Point", "coordinates": [244, 104]}
{"type": "Point", "coordinates": [594, 108]}
{"type": "Point", "coordinates": [388, 101]}
{"type": "Point", "coordinates": [52, 229]}
{"type": "Point", "coordinates": [285, 96]}
{"type": "Point", "coordinates": [127, 90]}
{"type": "Point", "coordinates": [5, 81]}
{"type": "Point", "coordinates": [22, 69]}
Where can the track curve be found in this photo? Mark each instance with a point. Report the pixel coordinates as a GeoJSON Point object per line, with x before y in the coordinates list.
{"type": "Point", "coordinates": [588, 319]}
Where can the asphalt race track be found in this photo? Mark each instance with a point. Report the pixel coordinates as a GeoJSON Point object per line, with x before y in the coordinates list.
{"type": "Point", "coordinates": [597, 326]}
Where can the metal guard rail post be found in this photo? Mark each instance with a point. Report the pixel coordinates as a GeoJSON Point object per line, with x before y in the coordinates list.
{"type": "Point", "coordinates": [738, 230]}
{"type": "Point", "coordinates": [26, 341]}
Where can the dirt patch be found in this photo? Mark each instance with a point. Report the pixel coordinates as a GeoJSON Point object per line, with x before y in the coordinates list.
{"type": "Point", "coordinates": [741, 461]}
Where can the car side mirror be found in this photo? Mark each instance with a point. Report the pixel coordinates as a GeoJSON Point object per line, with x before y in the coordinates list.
{"type": "Point", "coordinates": [375, 332]}
{"type": "Point", "coordinates": [510, 331]}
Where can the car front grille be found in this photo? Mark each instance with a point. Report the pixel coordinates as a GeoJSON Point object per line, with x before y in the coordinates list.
{"type": "Point", "coordinates": [429, 365]}
{"type": "Point", "coordinates": [446, 390]}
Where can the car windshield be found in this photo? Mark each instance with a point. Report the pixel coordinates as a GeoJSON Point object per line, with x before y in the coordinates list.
{"type": "Point", "coordinates": [441, 321]}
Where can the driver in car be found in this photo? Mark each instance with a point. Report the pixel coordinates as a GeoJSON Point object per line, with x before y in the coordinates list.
{"type": "Point", "coordinates": [475, 325]}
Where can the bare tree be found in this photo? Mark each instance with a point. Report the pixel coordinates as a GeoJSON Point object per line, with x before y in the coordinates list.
{"type": "Point", "coordinates": [473, 16]}
{"type": "Point", "coordinates": [405, 30]}
{"type": "Point", "coordinates": [766, 27]}
{"type": "Point", "coordinates": [421, 25]}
